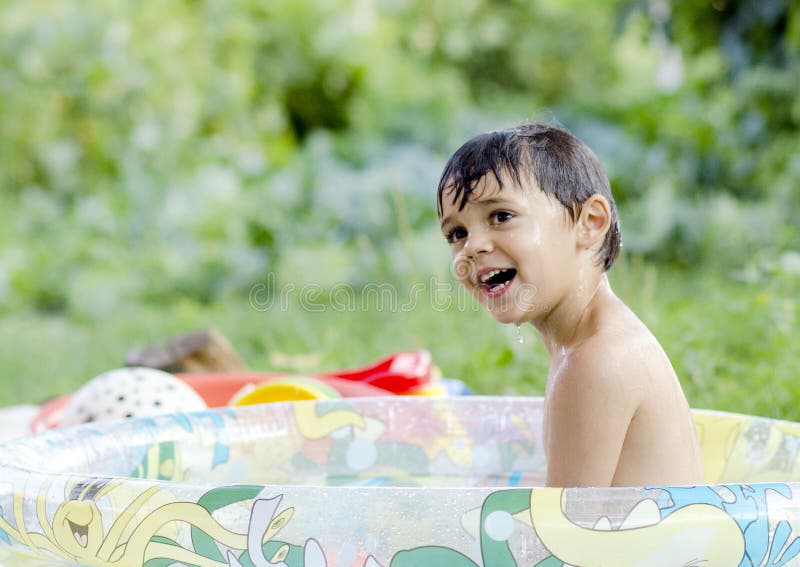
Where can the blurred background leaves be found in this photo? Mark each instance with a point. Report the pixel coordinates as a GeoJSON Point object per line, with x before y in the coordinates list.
{"type": "Point", "coordinates": [155, 154]}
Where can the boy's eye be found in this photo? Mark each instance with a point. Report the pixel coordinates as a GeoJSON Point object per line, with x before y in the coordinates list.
{"type": "Point", "coordinates": [455, 235]}
{"type": "Point", "coordinates": [502, 216]}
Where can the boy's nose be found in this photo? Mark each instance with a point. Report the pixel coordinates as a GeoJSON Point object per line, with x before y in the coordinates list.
{"type": "Point", "coordinates": [478, 243]}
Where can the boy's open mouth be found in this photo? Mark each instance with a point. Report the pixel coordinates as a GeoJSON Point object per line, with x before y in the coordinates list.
{"type": "Point", "coordinates": [497, 280]}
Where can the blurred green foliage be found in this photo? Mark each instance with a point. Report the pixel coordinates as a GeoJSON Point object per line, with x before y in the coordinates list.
{"type": "Point", "coordinates": [733, 343]}
{"type": "Point", "coordinates": [159, 153]}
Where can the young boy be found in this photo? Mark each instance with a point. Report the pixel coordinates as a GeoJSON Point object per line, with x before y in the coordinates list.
{"type": "Point", "coordinates": [533, 228]}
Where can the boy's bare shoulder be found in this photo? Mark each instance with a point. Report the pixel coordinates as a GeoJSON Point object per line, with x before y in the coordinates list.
{"type": "Point", "coordinates": [597, 369]}
{"type": "Point", "coordinates": [616, 359]}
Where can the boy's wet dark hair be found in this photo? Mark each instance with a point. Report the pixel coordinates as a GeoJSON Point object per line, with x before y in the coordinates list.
{"type": "Point", "coordinates": [561, 165]}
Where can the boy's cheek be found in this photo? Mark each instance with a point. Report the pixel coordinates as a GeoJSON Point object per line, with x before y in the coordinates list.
{"type": "Point", "coordinates": [464, 270]}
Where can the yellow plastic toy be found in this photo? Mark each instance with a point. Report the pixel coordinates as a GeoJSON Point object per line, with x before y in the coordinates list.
{"type": "Point", "coordinates": [292, 389]}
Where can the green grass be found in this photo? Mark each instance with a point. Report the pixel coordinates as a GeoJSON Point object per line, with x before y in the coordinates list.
{"type": "Point", "coordinates": [731, 343]}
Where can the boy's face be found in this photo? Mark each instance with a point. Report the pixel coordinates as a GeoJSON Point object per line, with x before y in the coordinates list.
{"type": "Point", "coordinates": [514, 249]}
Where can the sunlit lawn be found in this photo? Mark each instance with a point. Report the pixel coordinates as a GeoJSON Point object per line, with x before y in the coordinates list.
{"type": "Point", "coordinates": [731, 343]}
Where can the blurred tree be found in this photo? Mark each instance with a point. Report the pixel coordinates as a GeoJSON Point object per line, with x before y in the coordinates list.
{"type": "Point", "coordinates": [199, 142]}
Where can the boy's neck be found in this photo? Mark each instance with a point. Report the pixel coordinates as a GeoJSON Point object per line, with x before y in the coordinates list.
{"type": "Point", "coordinates": [569, 323]}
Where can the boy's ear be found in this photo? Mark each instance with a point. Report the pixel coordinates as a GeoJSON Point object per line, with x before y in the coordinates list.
{"type": "Point", "coordinates": [594, 221]}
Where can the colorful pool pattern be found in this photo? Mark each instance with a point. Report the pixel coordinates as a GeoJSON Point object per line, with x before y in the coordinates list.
{"type": "Point", "coordinates": [394, 481]}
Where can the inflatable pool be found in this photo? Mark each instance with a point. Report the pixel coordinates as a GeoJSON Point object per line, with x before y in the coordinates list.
{"type": "Point", "coordinates": [378, 482]}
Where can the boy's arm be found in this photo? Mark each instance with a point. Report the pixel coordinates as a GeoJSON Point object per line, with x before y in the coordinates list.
{"type": "Point", "coordinates": [590, 405]}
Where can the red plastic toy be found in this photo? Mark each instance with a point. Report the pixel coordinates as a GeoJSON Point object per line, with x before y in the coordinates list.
{"type": "Point", "coordinates": [404, 372]}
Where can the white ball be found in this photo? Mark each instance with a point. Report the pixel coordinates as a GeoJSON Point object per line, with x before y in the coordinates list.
{"type": "Point", "coordinates": [130, 392]}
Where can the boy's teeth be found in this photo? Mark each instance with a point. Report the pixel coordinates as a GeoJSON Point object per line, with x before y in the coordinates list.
{"type": "Point", "coordinates": [488, 275]}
